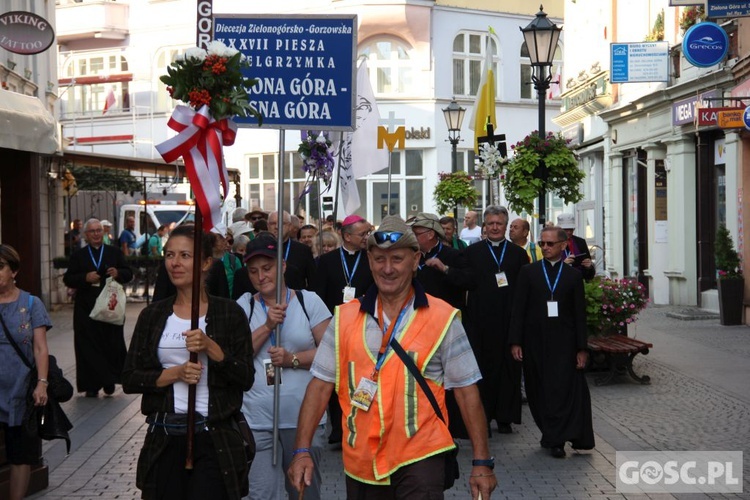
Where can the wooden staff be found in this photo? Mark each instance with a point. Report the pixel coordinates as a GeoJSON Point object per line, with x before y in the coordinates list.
{"type": "Point", "coordinates": [279, 281]}
{"type": "Point", "coordinates": [195, 305]}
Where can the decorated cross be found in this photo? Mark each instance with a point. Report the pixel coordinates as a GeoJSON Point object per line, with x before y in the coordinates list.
{"type": "Point", "coordinates": [491, 138]}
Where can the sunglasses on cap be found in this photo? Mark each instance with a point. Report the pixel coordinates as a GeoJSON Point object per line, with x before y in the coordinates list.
{"type": "Point", "coordinates": [383, 236]}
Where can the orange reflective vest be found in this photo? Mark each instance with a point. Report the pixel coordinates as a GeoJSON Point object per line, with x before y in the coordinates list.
{"type": "Point", "coordinates": [401, 426]}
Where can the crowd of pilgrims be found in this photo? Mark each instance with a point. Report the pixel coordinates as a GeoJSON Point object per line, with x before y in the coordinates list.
{"type": "Point", "coordinates": [477, 271]}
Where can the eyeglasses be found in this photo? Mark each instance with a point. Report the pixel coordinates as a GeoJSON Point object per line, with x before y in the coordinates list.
{"type": "Point", "coordinates": [548, 243]}
{"type": "Point", "coordinates": [256, 217]}
{"type": "Point", "coordinates": [383, 236]}
{"type": "Point", "coordinates": [363, 234]}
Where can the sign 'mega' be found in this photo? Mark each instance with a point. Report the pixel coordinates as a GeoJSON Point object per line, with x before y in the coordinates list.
{"type": "Point", "coordinates": [304, 66]}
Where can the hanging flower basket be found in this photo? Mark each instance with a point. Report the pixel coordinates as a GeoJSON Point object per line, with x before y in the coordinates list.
{"type": "Point", "coordinates": [690, 16]}
{"type": "Point", "coordinates": [454, 189]}
{"type": "Point", "coordinates": [522, 181]}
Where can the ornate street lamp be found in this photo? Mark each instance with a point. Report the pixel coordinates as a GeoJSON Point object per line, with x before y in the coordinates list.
{"type": "Point", "coordinates": [541, 36]}
{"type": "Point", "coordinates": [454, 117]}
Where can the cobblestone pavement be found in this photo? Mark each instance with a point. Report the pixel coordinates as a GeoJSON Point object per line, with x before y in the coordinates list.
{"type": "Point", "coordinates": [699, 399]}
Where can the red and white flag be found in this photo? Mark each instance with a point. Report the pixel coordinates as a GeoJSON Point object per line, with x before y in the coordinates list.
{"type": "Point", "coordinates": [110, 101]}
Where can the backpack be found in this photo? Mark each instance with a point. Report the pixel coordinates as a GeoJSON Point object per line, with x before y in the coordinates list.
{"type": "Point", "coordinates": [143, 249]}
{"type": "Point", "coordinates": [300, 298]}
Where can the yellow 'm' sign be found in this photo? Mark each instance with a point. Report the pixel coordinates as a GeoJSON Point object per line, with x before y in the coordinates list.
{"type": "Point", "coordinates": [396, 139]}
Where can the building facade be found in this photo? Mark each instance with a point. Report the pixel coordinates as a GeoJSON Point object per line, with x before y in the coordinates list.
{"type": "Point", "coordinates": [420, 54]}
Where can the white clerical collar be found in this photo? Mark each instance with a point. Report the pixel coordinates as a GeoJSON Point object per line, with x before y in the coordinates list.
{"type": "Point", "coordinates": [350, 252]}
{"type": "Point", "coordinates": [496, 243]}
{"type": "Point", "coordinates": [553, 263]}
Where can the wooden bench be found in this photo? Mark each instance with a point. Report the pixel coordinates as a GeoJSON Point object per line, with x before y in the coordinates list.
{"type": "Point", "coordinates": [619, 351]}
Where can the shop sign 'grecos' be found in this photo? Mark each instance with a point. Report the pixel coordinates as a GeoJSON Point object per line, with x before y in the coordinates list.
{"type": "Point", "coordinates": [705, 44]}
{"type": "Point", "coordinates": [304, 66]}
{"type": "Point", "coordinates": [25, 33]}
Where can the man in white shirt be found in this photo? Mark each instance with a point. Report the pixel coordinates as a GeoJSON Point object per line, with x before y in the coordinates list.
{"type": "Point", "coordinates": [471, 233]}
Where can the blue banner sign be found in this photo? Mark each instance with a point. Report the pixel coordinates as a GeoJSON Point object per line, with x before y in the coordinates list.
{"type": "Point", "coordinates": [304, 66]}
{"type": "Point", "coordinates": [639, 62]}
{"type": "Point", "coordinates": [705, 44]}
{"type": "Point", "coordinates": [724, 8]}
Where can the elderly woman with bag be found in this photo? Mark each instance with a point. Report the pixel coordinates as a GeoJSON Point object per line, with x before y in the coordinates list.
{"type": "Point", "coordinates": [24, 325]}
{"type": "Point", "coordinates": [158, 366]}
{"type": "Point", "coordinates": [299, 321]}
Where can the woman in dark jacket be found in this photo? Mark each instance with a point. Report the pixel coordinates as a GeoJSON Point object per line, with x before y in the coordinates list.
{"type": "Point", "coordinates": [158, 366]}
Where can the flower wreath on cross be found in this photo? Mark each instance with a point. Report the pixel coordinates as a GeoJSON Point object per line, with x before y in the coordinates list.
{"type": "Point", "coordinates": [490, 162]}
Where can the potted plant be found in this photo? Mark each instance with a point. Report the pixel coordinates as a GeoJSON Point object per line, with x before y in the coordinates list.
{"type": "Point", "coordinates": [730, 281]}
{"type": "Point", "coordinates": [456, 188]}
{"type": "Point", "coordinates": [611, 305]}
{"type": "Point", "coordinates": [523, 180]}
{"type": "Point", "coordinates": [690, 16]}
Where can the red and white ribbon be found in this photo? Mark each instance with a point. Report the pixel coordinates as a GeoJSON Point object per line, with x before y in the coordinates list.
{"type": "Point", "coordinates": [199, 142]}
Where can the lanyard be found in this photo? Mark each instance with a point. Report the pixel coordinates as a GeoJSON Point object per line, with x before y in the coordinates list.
{"type": "Point", "coordinates": [439, 249]}
{"type": "Point", "coordinates": [101, 254]}
{"type": "Point", "coordinates": [388, 333]}
{"type": "Point", "coordinates": [502, 255]}
{"type": "Point", "coordinates": [265, 310]}
{"type": "Point", "coordinates": [288, 246]}
{"type": "Point", "coordinates": [546, 277]}
{"type": "Point", "coordinates": [349, 276]}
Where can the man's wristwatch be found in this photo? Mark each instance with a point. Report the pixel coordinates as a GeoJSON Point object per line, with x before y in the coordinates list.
{"type": "Point", "coordinates": [295, 362]}
{"type": "Point", "coordinates": [490, 462]}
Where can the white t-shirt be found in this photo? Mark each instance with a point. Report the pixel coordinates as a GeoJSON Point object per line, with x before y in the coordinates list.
{"type": "Point", "coordinates": [296, 336]}
{"type": "Point", "coordinates": [471, 235]}
{"type": "Point", "coordinates": [172, 352]}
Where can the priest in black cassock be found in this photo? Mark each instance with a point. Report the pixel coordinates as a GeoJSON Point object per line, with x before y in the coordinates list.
{"type": "Point", "coordinates": [99, 347]}
{"type": "Point", "coordinates": [341, 276]}
{"type": "Point", "coordinates": [494, 264]}
{"type": "Point", "coordinates": [548, 333]}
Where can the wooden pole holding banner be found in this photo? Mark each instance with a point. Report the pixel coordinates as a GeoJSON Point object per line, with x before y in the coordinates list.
{"type": "Point", "coordinates": [195, 304]}
{"type": "Point", "coordinates": [279, 281]}
{"type": "Point", "coordinates": [202, 37]}
{"type": "Point", "coordinates": [338, 182]}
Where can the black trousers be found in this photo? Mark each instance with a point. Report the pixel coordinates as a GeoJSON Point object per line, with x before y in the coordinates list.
{"type": "Point", "coordinates": [174, 482]}
{"type": "Point", "coordinates": [421, 480]}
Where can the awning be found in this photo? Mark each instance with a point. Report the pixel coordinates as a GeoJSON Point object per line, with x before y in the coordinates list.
{"type": "Point", "coordinates": [25, 124]}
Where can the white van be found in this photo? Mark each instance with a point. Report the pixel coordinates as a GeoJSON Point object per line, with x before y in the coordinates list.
{"type": "Point", "coordinates": [152, 214]}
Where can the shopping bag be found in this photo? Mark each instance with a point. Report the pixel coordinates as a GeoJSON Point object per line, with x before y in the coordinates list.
{"type": "Point", "coordinates": [110, 305]}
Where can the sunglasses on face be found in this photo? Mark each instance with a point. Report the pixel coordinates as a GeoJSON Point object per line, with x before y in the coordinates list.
{"type": "Point", "coordinates": [383, 236]}
{"type": "Point", "coordinates": [256, 217]}
{"type": "Point", "coordinates": [548, 243]}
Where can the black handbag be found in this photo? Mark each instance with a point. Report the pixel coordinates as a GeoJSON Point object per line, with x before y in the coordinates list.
{"type": "Point", "coordinates": [452, 471]}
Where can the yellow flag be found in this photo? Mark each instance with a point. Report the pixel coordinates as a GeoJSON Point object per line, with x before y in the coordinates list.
{"type": "Point", "coordinates": [484, 106]}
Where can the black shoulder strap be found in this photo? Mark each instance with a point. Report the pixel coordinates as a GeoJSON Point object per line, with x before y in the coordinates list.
{"type": "Point", "coordinates": [301, 299]}
{"type": "Point", "coordinates": [15, 346]}
{"type": "Point", "coordinates": [252, 307]}
{"type": "Point", "coordinates": [409, 362]}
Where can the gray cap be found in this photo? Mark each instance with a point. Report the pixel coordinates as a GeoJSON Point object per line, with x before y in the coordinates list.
{"type": "Point", "coordinates": [393, 233]}
{"type": "Point", "coordinates": [429, 221]}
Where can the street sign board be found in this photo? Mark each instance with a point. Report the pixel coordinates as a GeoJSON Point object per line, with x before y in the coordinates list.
{"type": "Point", "coordinates": [746, 117]}
{"type": "Point", "coordinates": [730, 119]}
{"type": "Point", "coordinates": [639, 62]}
{"type": "Point", "coordinates": [685, 111]}
{"type": "Point", "coordinates": [705, 44]}
{"type": "Point", "coordinates": [728, 8]}
{"type": "Point", "coordinates": [305, 66]}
